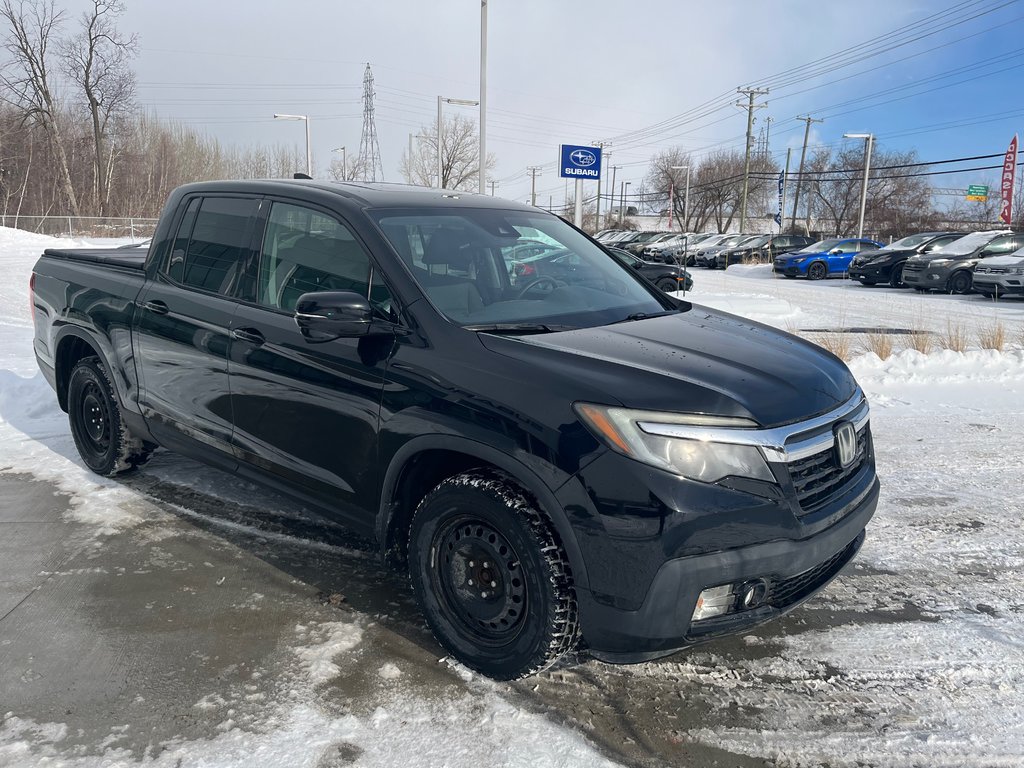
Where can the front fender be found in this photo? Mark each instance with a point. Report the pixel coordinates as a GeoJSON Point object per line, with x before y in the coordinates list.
{"type": "Point", "coordinates": [526, 476]}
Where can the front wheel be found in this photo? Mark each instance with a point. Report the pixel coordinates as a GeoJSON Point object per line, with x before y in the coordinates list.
{"type": "Point", "coordinates": [960, 283]}
{"type": "Point", "coordinates": [896, 277]}
{"type": "Point", "coordinates": [104, 443]}
{"type": "Point", "coordinates": [491, 577]}
{"type": "Point", "coordinates": [817, 271]}
{"type": "Point", "coordinates": [667, 284]}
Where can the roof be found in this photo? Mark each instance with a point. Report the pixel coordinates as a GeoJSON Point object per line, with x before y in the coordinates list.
{"type": "Point", "coordinates": [370, 194]}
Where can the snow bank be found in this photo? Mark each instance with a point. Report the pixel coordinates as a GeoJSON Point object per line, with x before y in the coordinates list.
{"type": "Point", "coordinates": [761, 308]}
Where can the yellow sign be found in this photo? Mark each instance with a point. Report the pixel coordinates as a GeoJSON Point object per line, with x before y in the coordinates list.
{"type": "Point", "coordinates": [978, 198]}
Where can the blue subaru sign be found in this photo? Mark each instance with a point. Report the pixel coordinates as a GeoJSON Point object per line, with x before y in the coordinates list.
{"type": "Point", "coordinates": [580, 162]}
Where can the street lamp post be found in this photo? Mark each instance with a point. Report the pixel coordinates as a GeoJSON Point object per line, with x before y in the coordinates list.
{"type": "Point", "coordinates": [483, 97]}
{"type": "Point", "coordinates": [309, 153]}
{"type": "Point", "coordinates": [440, 133]}
{"type": "Point", "coordinates": [869, 141]}
{"type": "Point", "coordinates": [344, 162]}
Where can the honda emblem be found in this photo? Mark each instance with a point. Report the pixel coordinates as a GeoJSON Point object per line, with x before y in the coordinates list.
{"type": "Point", "coordinates": [846, 443]}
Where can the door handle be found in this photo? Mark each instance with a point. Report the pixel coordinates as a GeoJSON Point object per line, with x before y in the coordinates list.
{"type": "Point", "coordinates": [250, 335]}
{"type": "Point", "coordinates": [156, 307]}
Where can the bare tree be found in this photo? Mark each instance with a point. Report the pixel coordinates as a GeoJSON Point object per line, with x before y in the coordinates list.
{"type": "Point", "coordinates": [460, 156]}
{"type": "Point", "coordinates": [96, 58]}
{"type": "Point", "coordinates": [899, 199]}
{"type": "Point", "coordinates": [26, 78]}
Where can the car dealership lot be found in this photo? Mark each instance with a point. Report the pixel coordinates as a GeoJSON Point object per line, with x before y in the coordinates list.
{"type": "Point", "coordinates": [180, 614]}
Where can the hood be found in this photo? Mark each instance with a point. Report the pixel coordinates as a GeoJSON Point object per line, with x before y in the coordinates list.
{"type": "Point", "coordinates": [880, 252]}
{"type": "Point", "coordinates": [700, 361]}
{"type": "Point", "coordinates": [1002, 261]}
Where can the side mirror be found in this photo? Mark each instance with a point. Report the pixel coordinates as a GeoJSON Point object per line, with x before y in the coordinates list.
{"type": "Point", "coordinates": [328, 315]}
{"type": "Point", "coordinates": [836, 251]}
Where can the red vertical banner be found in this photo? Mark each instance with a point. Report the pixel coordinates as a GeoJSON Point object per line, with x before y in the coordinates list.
{"type": "Point", "coordinates": [1006, 182]}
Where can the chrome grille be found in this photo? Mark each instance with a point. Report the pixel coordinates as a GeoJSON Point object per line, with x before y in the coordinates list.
{"type": "Point", "coordinates": [818, 478]}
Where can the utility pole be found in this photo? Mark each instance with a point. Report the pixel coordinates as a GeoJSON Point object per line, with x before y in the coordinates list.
{"type": "Point", "coordinates": [483, 97]}
{"type": "Point", "coordinates": [597, 216]}
{"type": "Point", "coordinates": [800, 174]}
{"type": "Point", "coordinates": [533, 170]}
{"type": "Point", "coordinates": [493, 185]}
{"type": "Point", "coordinates": [611, 197]}
{"type": "Point", "coordinates": [785, 189]}
{"type": "Point", "coordinates": [750, 106]}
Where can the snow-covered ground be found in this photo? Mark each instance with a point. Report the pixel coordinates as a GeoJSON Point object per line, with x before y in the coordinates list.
{"type": "Point", "coordinates": [914, 657]}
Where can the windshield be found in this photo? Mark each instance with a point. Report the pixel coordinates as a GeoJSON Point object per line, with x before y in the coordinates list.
{"type": "Point", "coordinates": [748, 240]}
{"type": "Point", "coordinates": [969, 243]}
{"type": "Point", "coordinates": [461, 259]}
{"type": "Point", "coordinates": [820, 246]}
{"type": "Point", "coordinates": [757, 242]}
{"type": "Point", "coordinates": [730, 240]}
{"type": "Point", "coordinates": [911, 241]}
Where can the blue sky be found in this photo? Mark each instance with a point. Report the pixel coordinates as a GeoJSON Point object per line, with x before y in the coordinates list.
{"type": "Point", "coordinates": [573, 72]}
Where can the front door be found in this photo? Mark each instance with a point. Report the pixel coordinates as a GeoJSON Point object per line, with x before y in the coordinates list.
{"type": "Point", "coordinates": [308, 412]}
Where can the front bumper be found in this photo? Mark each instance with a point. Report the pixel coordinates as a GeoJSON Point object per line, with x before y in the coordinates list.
{"type": "Point", "coordinates": [928, 277]}
{"type": "Point", "coordinates": [986, 282]}
{"type": "Point", "coordinates": [786, 268]}
{"type": "Point", "coordinates": [877, 272]}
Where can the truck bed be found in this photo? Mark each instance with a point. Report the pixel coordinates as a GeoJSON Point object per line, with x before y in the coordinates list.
{"type": "Point", "coordinates": [129, 258]}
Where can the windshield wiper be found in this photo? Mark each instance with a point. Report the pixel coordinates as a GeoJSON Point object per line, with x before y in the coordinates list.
{"type": "Point", "coordinates": [644, 316]}
{"type": "Point", "coordinates": [519, 328]}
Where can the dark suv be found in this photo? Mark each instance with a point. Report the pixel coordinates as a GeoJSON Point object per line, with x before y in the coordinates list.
{"type": "Point", "coordinates": [885, 265]}
{"type": "Point", "coordinates": [562, 459]}
{"type": "Point", "coordinates": [761, 251]}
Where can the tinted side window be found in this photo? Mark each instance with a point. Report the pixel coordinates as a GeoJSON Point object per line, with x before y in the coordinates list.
{"type": "Point", "coordinates": [219, 243]}
{"type": "Point", "coordinates": [176, 264]}
{"type": "Point", "coordinates": [306, 251]}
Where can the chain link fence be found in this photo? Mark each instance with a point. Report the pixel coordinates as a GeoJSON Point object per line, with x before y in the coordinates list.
{"type": "Point", "coordinates": [137, 228]}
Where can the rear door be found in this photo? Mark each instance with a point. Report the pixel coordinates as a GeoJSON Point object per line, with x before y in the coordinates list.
{"type": "Point", "coordinates": [183, 320]}
{"type": "Point", "coordinates": [308, 412]}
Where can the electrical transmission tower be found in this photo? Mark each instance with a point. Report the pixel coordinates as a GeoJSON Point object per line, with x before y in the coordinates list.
{"type": "Point", "coordinates": [369, 150]}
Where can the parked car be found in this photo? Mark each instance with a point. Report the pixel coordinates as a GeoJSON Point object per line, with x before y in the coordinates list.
{"type": "Point", "coordinates": [596, 465]}
{"type": "Point", "coordinates": [653, 250]}
{"type": "Point", "coordinates": [667, 277]}
{"type": "Point", "coordinates": [705, 256]}
{"type": "Point", "coordinates": [711, 257]}
{"type": "Point", "coordinates": [951, 269]}
{"type": "Point", "coordinates": [645, 238]}
{"type": "Point", "coordinates": [824, 258]}
{"type": "Point", "coordinates": [885, 265]}
{"type": "Point", "coordinates": [762, 250]}
{"type": "Point", "coordinates": [1000, 275]}
{"type": "Point", "coordinates": [687, 256]}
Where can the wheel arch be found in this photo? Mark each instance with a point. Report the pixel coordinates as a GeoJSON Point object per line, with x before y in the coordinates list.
{"type": "Point", "coordinates": [423, 462]}
{"type": "Point", "coordinates": [74, 344]}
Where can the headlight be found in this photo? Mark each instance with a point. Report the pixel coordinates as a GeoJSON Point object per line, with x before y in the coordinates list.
{"type": "Point", "coordinates": [1016, 271]}
{"type": "Point", "coordinates": [646, 437]}
{"type": "Point", "coordinates": [939, 262]}
{"type": "Point", "coordinates": [804, 259]}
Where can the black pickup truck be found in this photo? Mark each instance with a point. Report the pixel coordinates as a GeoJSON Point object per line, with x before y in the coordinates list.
{"type": "Point", "coordinates": [568, 463]}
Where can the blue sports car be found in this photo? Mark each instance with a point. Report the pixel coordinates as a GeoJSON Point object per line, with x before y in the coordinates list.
{"type": "Point", "coordinates": [824, 258]}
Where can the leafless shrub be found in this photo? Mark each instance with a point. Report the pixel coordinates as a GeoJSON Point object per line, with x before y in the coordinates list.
{"type": "Point", "coordinates": [879, 343]}
{"type": "Point", "coordinates": [919, 340]}
{"type": "Point", "coordinates": [839, 344]}
{"type": "Point", "coordinates": [955, 337]}
{"type": "Point", "coordinates": [993, 336]}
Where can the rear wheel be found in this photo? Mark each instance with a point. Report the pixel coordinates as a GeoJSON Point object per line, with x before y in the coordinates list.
{"type": "Point", "coordinates": [103, 441]}
{"type": "Point", "coordinates": [959, 283]}
{"type": "Point", "coordinates": [817, 271]}
{"type": "Point", "coordinates": [491, 577]}
{"type": "Point", "coordinates": [896, 277]}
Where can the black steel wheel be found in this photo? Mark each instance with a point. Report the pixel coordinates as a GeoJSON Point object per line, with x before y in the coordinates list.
{"type": "Point", "coordinates": [491, 577]}
{"type": "Point", "coordinates": [896, 276]}
{"type": "Point", "coordinates": [103, 441]}
{"type": "Point", "coordinates": [817, 271]}
{"type": "Point", "coordinates": [667, 284]}
{"type": "Point", "coordinates": [959, 283]}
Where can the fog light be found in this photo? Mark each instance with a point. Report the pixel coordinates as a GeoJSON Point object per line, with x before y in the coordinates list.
{"type": "Point", "coordinates": [713, 602]}
{"type": "Point", "coordinates": [753, 593]}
